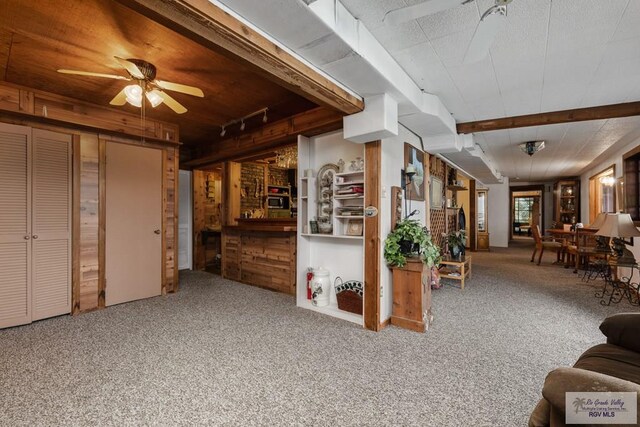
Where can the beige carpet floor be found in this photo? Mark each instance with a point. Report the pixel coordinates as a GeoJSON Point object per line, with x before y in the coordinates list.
{"type": "Point", "coordinates": [223, 353]}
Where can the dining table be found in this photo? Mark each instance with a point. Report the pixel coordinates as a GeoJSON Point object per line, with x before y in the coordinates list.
{"type": "Point", "coordinates": [565, 237]}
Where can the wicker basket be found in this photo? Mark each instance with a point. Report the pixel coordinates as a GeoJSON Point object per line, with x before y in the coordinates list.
{"type": "Point", "coordinates": [349, 295]}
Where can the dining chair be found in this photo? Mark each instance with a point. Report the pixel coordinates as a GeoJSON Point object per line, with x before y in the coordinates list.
{"type": "Point", "coordinates": [544, 242]}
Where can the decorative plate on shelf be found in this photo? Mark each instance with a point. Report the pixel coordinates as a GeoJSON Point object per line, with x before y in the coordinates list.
{"type": "Point", "coordinates": [325, 178]}
{"type": "Point", "coordinates": [327, 174]}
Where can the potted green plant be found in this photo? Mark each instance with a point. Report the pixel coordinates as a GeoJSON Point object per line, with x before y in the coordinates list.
{"type": "Point", "coordinates": [410, 239]}
{"type": "Point", "coordinates": [456, 241]}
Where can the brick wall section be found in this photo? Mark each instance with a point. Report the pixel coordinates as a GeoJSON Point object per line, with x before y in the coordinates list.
{"type": "Point", "coordinates": [250, 172]}
{"type": "Point", "coordinates": [278, 176]}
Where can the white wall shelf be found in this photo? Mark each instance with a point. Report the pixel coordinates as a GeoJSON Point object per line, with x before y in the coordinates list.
{"type": "Point", "coordinates": [333, 310]}
{"type": "Point", "coordinates": [332, 236]}
{"type": "Point", "coordinates": [340, 253]}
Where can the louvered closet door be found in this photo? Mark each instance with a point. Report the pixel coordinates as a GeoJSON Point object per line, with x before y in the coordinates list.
{"type": "Point", "coordinates": [15, 226]}
{"type": "Point", "coordinates": [51, 225]}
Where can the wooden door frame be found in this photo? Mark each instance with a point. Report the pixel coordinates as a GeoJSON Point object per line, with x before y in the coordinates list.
{"type": "Point", "coordinates": [516, 189]}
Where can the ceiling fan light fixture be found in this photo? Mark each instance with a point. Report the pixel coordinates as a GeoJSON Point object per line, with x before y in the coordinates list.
{"type": "Point", "coordinates": [154, 99]}
{"type": "Point", "coordinates": [223, 131]}
{"type": "Point", "coordinates": [532, 147]}
{"type": "Point", "coordinates": [265, 118]}
{"type": "Point", "coordinates": [242, 125]}
{"type": "Point", "coordinates": [134, 95]}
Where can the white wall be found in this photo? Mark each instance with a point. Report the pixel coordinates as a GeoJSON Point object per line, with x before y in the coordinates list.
{"type": "Point", "coordinates": [392, 164]}
{"type": "Point", "coordinates": [498, 215]}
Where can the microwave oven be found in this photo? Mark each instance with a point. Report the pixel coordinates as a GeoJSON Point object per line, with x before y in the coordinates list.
{"type": "Point", "coordinates": [276, 202]}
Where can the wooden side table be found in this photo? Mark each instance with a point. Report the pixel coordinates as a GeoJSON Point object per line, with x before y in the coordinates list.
{"type": "Point", "coordinates": [460, 268]}
{"type": "Point", "coordinates": [412, 296]}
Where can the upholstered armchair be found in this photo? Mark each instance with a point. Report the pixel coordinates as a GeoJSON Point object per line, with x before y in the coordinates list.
{"type": "Point", "coordinates": [614, 366]}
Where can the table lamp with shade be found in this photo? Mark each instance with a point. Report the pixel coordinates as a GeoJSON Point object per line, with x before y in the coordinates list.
{"type": "Point", "coordinates": [618, 227]}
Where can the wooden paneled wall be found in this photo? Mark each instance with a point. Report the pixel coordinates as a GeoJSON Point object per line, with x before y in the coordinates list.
{"type": "Point", "coordinates": [61, 110]}
{"type": "Point", "coordinates": [86, 153]}
{"type": "Point", "coordinates": [170, 170]}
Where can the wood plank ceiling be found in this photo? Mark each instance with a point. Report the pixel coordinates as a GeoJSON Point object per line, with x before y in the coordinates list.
{"type": "Point", "coordinates": [37, 37]}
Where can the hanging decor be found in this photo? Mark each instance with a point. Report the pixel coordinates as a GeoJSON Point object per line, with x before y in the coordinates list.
{"type": "Point", "coordinates": [287, 157]}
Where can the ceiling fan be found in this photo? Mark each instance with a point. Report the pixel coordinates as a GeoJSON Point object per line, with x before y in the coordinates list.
{"type": "Point", "coordinates": [490, 23]}
{"type": "Point", "coordinates": [144, 75]}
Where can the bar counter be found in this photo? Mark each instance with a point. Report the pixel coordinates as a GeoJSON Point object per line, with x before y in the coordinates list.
{"type": "Point", "coordinates": [261, 252]}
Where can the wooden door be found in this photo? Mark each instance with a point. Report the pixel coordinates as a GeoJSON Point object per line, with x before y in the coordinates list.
{"type": "Point", "coordinates": [51, 224]}
{"type": "Point", "coordinates": [15, 225]}
{"type": "Point", "coordinates": [133, 223]}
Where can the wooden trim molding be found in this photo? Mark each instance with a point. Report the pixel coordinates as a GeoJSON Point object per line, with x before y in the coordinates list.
{"type": "Point", "coordinates": [210, 26]}
{"type": "Point", "coordinates": [373, 172]}
{"type": "Point", "coordinates": [551, 118]}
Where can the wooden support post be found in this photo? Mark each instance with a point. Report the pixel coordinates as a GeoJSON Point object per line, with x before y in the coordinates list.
{"type": "Point", "coordinates": [373, 171]}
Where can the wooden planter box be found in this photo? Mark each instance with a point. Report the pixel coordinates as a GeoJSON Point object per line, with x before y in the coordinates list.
{"type": "Point", "coordinates": [412, 296]}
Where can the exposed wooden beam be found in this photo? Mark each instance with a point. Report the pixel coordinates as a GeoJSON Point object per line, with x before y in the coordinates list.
{"type": "Point", "coordinates": [556, 117]}
{"type": "Point", "coordinates": [210, 26]}
{"type": "Point", "coordinates": [264, 140]}
{"type": "Point", "coordinates": [6, 39]}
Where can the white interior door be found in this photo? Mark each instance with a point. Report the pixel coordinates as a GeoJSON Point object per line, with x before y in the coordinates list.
{"type": "Point", "coordinates": [51, 224]}
{"type": "Point", "coordinates": [133, 223]}
{"type": "Point", "coordinates": [15, 225]}
{"type": "Point", "coordinates": [185, 245]}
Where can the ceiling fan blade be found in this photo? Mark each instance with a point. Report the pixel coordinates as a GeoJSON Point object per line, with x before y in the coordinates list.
{"type": "Point", "coordinates": [119, 99]}
{"type": "Point", "coordinates": [488, 28]}
{"type": "Point", "coordinates": [130, 67]}
{"type": "Point", "coordinates": [177, 87]}
{"type": "Point", "coordinates": [170, 102]}
{"type": "Point", "coordinates": [429, 7]}
{"type": "Point", "coordinates": [90, 74]}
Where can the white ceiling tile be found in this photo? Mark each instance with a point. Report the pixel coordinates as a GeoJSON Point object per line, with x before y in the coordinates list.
{"type": "Point", "coordinates": [371, 13]}
{"type": "Point", "coordinates": [552, 55]}
{"type": "Point", "coordinates": [399, 37]}
{"type": "Point", "coordinates": [629, 26]}
{"type": "Point", "coordinates": [452, 47]}
{"type": "Point", "coordinates": [461, 18]}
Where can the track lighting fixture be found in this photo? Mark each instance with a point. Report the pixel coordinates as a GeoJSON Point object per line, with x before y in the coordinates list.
{"type": "Point", "coordinates": [242, 120]}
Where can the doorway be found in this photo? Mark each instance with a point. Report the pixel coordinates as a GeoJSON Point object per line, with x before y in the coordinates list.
{"type": "Point", "coordinates": [133, 223]}
{"type": "Point", "coordinates": [185, 221]}
{"type": "Point", "coordinates": [526, 211]}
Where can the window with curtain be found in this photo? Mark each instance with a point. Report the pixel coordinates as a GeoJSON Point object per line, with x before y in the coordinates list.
{"type": "Point", "coordinates": [523, 209]}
